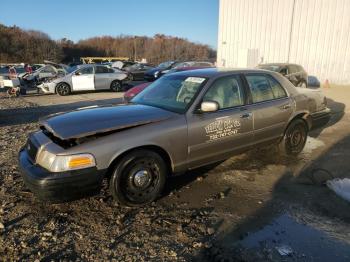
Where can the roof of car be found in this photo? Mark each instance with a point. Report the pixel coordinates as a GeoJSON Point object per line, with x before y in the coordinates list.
{"type": "Point", "coordinates": [214, 72]}
{"type": "Point", "coordinates": [277, 64]}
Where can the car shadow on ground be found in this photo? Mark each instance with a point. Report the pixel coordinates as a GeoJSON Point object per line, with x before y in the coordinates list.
{"type": "Point", "coordinates": [302, 214]}
{"type": "Point", "coordinates": [337, 113]}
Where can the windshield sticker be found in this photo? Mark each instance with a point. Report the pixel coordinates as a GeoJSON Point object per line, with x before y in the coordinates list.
{"type": "Point", "coordinates": [197, 80]}
{"type": "Point", "coordinates": [222, 127]}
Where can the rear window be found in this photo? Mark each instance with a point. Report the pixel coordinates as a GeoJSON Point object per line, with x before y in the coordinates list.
{"type": "Point", "coordinates": [265, 88]}
{"type": "Point", "coordinates": [101, 70]}
{"type": "Point", "coordinates": [277, 90]}
{"type": "Point", "coordinates": [260, 88]}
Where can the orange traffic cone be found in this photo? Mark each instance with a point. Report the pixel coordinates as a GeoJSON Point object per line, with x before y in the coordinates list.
{"type": "Point", "coordinates": [326, 84]}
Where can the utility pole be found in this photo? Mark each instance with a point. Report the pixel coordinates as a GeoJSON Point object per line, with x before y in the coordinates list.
{"type": "Point", "coordinates": [291, 31]}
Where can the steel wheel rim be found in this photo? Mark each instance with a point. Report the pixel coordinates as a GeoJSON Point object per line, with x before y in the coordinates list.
{"type": "Point", "coordinates": [297, 138]}
{"type": "Point", "coordinates": [138, 188]}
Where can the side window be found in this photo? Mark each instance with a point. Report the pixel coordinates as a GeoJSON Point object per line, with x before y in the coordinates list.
{"type": "Point", "coordinates": [260, 88]}
{"type": "Point", "coordinates": [110, 70]}
{"type": "Point", "coordinates": [226, 91]}
{"type": "Point", "coordinates": [284, 71]}
{"type": "Point", "coordinates": [86, 70]}
{"type": "Point", "coordinates": [101, 70]}
{"type": "Point", "coordinates": [277, 90]}
{"type": "Point", "coordinates": [48, 69]}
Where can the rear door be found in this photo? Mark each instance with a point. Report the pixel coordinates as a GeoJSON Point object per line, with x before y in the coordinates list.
{"type": "Point", "coordinates": [103, 77]}
{"type": "Point", "coordinates": [213, 136]}
{"type": "Point", "coordinates": [83, 79]}
{"type": "Point", "coordinates": [270, 105]}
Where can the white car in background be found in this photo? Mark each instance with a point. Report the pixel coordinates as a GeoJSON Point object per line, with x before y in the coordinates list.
{"type": "Point", "coordinates": [84, 78]}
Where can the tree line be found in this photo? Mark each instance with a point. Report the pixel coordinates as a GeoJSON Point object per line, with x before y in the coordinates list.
{"type": "Point", "coordinates": [29, 46]}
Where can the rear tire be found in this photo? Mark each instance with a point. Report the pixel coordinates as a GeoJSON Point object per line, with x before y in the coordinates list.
{"type": "Point", "coordinates": [116, 86]}
{"type": "Point", "coordinates": [294, 138]}
{"type": "Point", "coordinates": [138, 178]}
{"type": "Point", "coordinates": [63, 89]}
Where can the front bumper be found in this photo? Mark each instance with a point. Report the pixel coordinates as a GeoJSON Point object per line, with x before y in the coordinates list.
{"type": "Point", "coordinates": [321, 118]}
{"type": "Point", "coordinates": [48, 88]}
{"type": "Point", "coordinates": [62, 186]}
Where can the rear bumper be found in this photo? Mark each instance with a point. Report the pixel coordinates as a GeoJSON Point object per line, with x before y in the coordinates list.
{"type": "Point", "coordinates": [62, 186]}
{"type": "Point", "coordinates": [321, 118]}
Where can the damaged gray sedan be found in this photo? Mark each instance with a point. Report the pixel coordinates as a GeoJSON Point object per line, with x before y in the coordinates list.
{"type": "Point", "coordinates": [181, 121]}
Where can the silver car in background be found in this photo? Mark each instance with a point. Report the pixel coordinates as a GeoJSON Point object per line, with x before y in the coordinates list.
{"type": "Point", "coordinates": [85, 78]}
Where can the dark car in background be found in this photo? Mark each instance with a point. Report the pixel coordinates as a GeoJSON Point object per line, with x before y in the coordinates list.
{"type": "Point", "coordinates": [137, 71]}
{"type": "Point", "coordinates": [160, 70]}
{"type": "Point", "coordinates": [139, 88]}
{"type": "Point", "coordinates": [296, 74]}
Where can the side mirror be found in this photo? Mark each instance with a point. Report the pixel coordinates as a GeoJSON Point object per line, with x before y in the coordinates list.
{"type": "Point", "coordinates": [209, 106]}
{"type": "Point", "coordinates": [77, 73]}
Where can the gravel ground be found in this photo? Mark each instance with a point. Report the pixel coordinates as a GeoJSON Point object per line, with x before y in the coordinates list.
{"type": "Point", "coordinates": [209, 214]}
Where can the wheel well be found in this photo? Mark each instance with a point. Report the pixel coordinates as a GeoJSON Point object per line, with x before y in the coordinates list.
{"type": "Point", "coordinates": [303, 116]}
{"type": "Point", "coordinates": [62, 83]}
{"type": "Point", "coordinates": [161, 152]}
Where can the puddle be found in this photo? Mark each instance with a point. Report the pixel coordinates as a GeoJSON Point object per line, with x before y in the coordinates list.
{"type": "Point", "coordinates": [312, 144]}
{"type": "Point", "coordinates": [305, 241]}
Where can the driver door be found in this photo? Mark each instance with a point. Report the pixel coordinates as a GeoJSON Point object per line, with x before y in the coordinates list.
{"type": "Point", "coordinates": [213, 136]}
{"type": "Point", "coordinates": [83, 79]}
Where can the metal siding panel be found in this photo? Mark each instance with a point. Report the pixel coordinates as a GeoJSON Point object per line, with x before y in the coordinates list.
{"type": "Point", "coordinates": [320, 38]}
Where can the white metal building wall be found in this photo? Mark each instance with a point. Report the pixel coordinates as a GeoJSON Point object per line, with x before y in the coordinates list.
{"type": "Point", "coordinates": [313, 33]}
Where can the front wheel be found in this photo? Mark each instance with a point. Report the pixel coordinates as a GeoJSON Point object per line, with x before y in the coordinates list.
{"type": "Point", "coordinates": [138, 178]}
{"type": "Point", "coordinates": [63, 89]}
{"type": "Point", "coordinates": [294, 139]}
{"type": "Point", "coordinates": [116, 86]}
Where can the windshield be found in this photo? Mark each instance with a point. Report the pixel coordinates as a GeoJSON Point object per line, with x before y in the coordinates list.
{"type": "Point", "coordinates": [165, 64]}
{"type": "Point", "coordinates": [71, 69]}
{"type": "Point", "coordinates": [174, 93]}
{"type": "Point", "coordinates": [274, 68]}
{"type": "Point", "coordinates": [183, 64]}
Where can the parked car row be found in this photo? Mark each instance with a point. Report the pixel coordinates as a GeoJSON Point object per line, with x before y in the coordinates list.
{"type": "Point", "coordinates": [58, 78]}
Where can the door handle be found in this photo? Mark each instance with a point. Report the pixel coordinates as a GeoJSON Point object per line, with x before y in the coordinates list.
{"type": "Point", "coordinates": [285, 107]}
{"type": "Point", "coordinates": [246, 115]}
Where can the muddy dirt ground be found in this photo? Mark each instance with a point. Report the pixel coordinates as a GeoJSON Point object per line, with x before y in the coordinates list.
{"type": "Point", "coordinates": [251, 207]}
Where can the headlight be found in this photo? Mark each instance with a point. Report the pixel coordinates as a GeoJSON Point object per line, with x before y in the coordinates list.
{"type": "Point", "coordinates": [156, 74]}
{"type": "Point", "coordinates": [56, 163]}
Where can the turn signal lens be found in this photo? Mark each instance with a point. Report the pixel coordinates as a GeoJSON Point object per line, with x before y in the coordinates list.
{"type": "Point", "coordinates": [80, 161]}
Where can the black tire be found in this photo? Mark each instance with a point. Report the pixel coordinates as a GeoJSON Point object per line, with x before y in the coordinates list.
{"type": "Point", "coordinates": [138, 178]}
{"type": "Point", "coordinates": [116, 86]}
{"type": "Point", "coordinates": [63, 89]}
{"type": "Point", "coordinates": [294, 138]}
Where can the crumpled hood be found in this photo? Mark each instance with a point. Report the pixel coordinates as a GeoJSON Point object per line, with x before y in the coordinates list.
{"type": "Point", "coordinates": [91, 121]}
